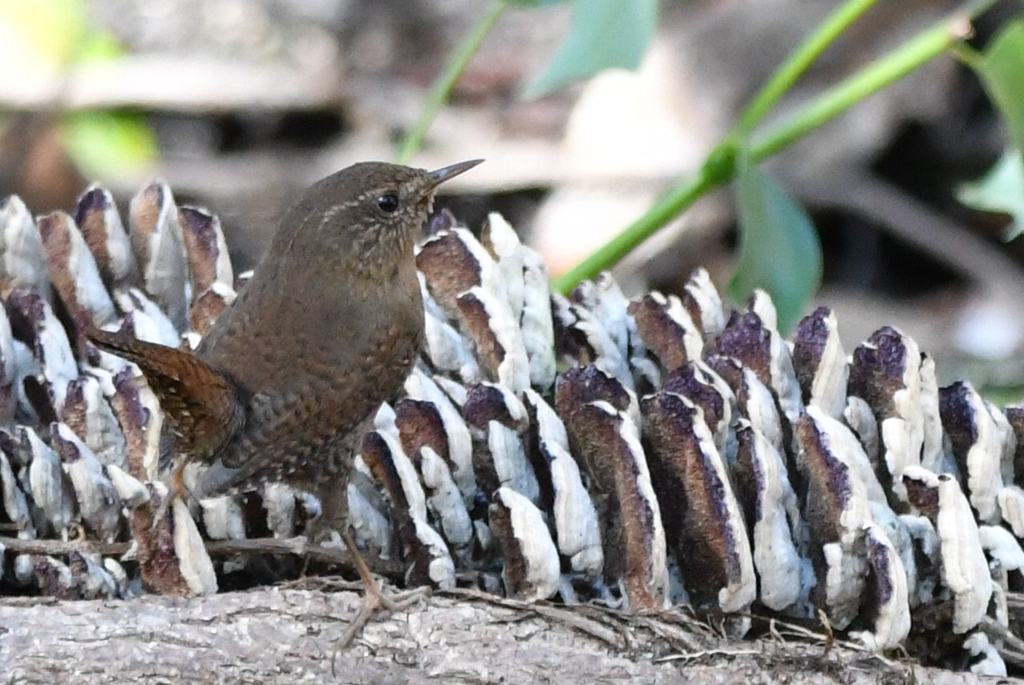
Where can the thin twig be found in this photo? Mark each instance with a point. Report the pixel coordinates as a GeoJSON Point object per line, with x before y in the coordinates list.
{"type": "Point", "coordinates": [63, 547]}
{"type": "Point", "coordinates": [672, 632]}
{"type": "Point", "coordinates": [798, 631]}
{"type": "Point", "coordinates": [1012, 647]}
{"type": "Point", "coordinates": [580, 623]}
{"type": "Point", "coordinates": [321, 584]}
{"type": "Point", "coordinates": [691, 656]}
{"type": "Point", "coordinates": [574, 617]}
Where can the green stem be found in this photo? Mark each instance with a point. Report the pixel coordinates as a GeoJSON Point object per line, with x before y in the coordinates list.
{"type": "Point", "coordinates": [799, 60]}
{"type": "Point", "coordinates": [669, 206]}
{"type": "Point", "coordinates": [868, 81]}
{"type": "Point", "coordinates": [720, 167]}
{"type": "Point", "coordinates": [444, 84]}
{"type": "Point", "coordinates": [969, 56]}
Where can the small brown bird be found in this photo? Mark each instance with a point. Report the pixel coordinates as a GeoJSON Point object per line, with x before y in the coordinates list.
{"type": "Point", "coordinates": [327, 329]}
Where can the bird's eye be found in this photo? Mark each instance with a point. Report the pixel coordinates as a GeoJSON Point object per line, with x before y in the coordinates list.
{"type": "Point", "coordinates": [388, 202]}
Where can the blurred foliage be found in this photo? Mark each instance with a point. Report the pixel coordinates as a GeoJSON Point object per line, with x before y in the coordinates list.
{"type": "Point", "coordinates": [1000, 190]}
{"type": "Point", "coordinates": [779, 247]}
{"type": "Point", "coordinates": [1001, 70]}
{"type": "Point", "coordinates": [604, 34]}
{"type": "Point", "coordinates": [42, 35]}
{"type": "Point", "coordinates": [108, 144]}
{"type": "Point", "coordinates": [41, 40]}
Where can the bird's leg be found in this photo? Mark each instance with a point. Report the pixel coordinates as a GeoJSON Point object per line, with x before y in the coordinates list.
{"type": "Point", "coordinates": [333, 501]}
{"type": "Point", "coordinates": [334, 510]}
{"type": "Point", "coordinates": [333, 492]}
{"type": "Point", "coordinates": [375, 599]}
{"type": "Point", "coordinates": [176, 488]}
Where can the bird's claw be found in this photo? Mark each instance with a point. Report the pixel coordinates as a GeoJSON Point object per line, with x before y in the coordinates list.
{"type": "Point", "coordinates": [374, 599]}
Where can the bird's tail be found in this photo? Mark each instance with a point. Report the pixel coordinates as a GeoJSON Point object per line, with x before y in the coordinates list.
{"type": "Point", "coordinates": [201, 402]}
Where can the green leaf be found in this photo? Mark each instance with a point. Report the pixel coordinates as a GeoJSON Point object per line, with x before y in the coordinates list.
{"type": "Point", "coordinates": [108, 144]}
{"type": "Point", "coordinates": [1002, 72]}
{"type": "Point", "coordinates": [604, 34]}
{"type": "Point", "coordinates": [1001, 189]}
{"type": "Point", "coordinates": [779, 248]}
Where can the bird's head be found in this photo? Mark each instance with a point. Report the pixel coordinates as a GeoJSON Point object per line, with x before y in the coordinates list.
{"type": "Point", "coordinates": [369, 212]}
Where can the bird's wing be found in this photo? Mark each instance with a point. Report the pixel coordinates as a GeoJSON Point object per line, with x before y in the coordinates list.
{"type": "Point", "coordinates": [202, 403]}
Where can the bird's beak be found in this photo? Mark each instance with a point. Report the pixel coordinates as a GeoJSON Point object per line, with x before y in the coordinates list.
{"type": "Point", "coordinates": [439, 176]}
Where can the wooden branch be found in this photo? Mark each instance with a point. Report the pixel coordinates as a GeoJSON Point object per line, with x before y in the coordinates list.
{"type": "Point", "coordinates": [298, 546]}
{"type": "Point", "coordinates": [289, 636]}
{"type": "Point", "coordinates": [62, 547]}
{"type": "Point", "coordinates": [65, 632]}
{"type": "Point", "coordinates": [389, 568]}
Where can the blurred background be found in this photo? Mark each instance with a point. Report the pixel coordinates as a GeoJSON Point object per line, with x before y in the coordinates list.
{"type": "Point", "coordinates": [239, 104]}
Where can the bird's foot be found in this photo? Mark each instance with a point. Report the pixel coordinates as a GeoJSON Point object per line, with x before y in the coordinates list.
{"type": "Point", "coordinates": [375, 598]}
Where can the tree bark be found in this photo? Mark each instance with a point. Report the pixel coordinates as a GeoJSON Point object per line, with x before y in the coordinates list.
{"type": "Point", "coordinates": [289, 636]}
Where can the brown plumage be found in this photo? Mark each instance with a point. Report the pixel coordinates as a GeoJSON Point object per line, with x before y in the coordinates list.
{"type": "Point", "coordinates": [203, 421]}
{"type": "Point", "coordinates": [327, 329]}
